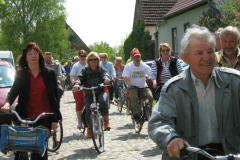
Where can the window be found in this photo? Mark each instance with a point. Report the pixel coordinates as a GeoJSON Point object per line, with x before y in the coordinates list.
{"type": "Point", "coordinates": [186, 26]}
{"type": "Point", "coordinates": [174, 41]}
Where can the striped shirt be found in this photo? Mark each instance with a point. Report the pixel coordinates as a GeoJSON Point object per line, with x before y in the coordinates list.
{"type": "Point", "coordinates": [166, 75]}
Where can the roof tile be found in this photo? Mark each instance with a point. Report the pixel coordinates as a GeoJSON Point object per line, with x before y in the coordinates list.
{"type": "Point", "coordinates": [153, 11]}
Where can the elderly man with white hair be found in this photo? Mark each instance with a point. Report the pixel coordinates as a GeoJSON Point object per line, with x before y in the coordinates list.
{"type": "Point", "coordinates": [229, 55]}
{"type": "Point", "coordinates": [200, 106]}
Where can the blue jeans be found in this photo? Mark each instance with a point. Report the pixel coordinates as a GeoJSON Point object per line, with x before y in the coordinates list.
{"type": "Point", "coordinates": [116, 89]}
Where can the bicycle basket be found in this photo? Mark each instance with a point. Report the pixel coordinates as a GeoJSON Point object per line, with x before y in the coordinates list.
{"type": "Point", "coordinates": [15, 138]}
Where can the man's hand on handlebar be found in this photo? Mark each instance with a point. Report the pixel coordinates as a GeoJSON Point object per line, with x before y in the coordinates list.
{"type": "Point", "coordinates": [175, 146]}
{"type": "Point", "coordinates": [6, 107]}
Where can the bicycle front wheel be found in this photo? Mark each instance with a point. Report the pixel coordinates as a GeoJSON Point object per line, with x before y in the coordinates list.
{"type": "Point", "coordinates": [148, 112]}
{"type": "Point", "coordinates": [55, 139]}
{"type": "Point", "coordinates": [97, 132]}
{"type": "Point", "coordinates": [120, 102]}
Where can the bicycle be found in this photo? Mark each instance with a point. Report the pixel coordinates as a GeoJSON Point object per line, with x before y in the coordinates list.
{"type": "Point", "coordinates": [24, 138]}
{"type": "Point", "coordinates": [146, 111]}
{"type": "Point", "coordinates": [121, 103]}
{"type": "Point", "coordinates": [196, 150]}
{"type": "Point", "coordinates": [55, 138]}
{"type": "Point", "coordinates": [96, 120]}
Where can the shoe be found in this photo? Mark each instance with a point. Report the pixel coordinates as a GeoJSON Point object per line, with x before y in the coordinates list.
{"type": "Point", "coordinates": [128, 111]}
{"type": "Point", "coordinates": [112, 102]}
{"type": "Point", "coordinates": [89, 133]}
{"type": "Point", "coordinates": [107, 126]}
{"type": "Point", "coordinates": [137, 118]}
{"type": "Point", "coordinates": [79, 126]}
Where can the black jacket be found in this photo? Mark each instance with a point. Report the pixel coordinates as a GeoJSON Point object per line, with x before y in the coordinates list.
{"type": "Point", "coordinates": [21, 89]}
{"type": "Point", "coordinates": [88, 78]}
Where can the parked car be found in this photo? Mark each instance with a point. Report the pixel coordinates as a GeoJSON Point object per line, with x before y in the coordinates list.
{"type": "Point", "coordinates": [149, 62]}
{"type": "Point", "coordinates": [7, 56]}
{"type": "Point", "coordinates": [7, 74]}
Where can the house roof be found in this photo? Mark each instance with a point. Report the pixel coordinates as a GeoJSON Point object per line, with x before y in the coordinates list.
{"type": "Point", "coordinates": [184, 5]}
{"type": "Point", "coordinates": [153, 11]}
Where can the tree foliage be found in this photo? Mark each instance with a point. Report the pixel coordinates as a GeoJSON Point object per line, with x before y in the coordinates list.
{"type": "Point", "coordinates": [40, 21]}
{"type": "Point", "coordinates": [103, 47]}
{"type": "Point", "coordinates": [138, 38]}
{"type": "Point", "coordinates": [230, 15]}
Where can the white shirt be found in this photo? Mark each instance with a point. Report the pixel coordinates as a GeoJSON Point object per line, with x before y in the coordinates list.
{"type": "Point", "coordinates": [208, 126]}
{"type": "Point", "coordinates": [76, 69]}
{"type": "Point", "coordinates": [137, 75]}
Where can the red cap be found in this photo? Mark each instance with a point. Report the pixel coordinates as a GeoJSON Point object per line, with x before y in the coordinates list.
{"type": "Point", "coordinates": [136, 53]}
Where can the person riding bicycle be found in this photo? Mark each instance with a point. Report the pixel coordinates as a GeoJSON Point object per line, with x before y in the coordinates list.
{"type": "Point", "coordinates": [93, 75]}
{"type": "Point", "coordinates": [78, 95]}
{"type": "Point", "coordinates": [36, 88]}
{"type": "Point", "coordinates": [201, 105]}
{"type": "Point", "coordinates": [134, 74]}
{"type": "Point", "coordinates": [164, 68]}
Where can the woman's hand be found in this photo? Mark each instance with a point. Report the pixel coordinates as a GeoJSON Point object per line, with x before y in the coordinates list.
{"type": "Point", "coordinates": [106, 81]}
{"type": "Point", "coordinates": [76, 87]}
{"type": "Point", "coordinates": [54, 125]}
{"type": "Point", "coordinates": [155, 85]}
{"type": "Point", "coordinates": [6, 107]}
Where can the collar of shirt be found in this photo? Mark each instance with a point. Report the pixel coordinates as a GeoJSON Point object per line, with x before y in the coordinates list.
{"type": "Point", "coordinates": [213, 75]}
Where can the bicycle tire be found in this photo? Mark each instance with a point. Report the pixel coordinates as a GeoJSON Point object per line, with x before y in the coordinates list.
{"type": "Point", "coordinates": [148, 112]}
{"type": "Point", "coordinates": [120, 102]}
{"type": "Point", "coordinates": [23, 156]}
{"type": "Point", "coordinates": [55, 139]}
{"type": "Point", "coordinates": [97, 132]}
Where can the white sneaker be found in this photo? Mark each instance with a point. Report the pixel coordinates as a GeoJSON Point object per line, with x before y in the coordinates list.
{"type": "Point", "coordinates": [79, 126]}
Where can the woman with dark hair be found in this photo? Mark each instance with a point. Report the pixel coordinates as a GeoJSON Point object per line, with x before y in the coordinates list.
{"type": "Point", "coordinates": [36, 89]}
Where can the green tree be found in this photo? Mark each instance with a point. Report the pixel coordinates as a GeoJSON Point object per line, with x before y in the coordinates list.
{"type": "Point", "coordinates": [40, 21]}
{"type": "Point", "coordinates": [230, 15]}
{"type": "Point", "coordinates": [138, 38]}
{"type": "Point", "coordinates": [103, 47]}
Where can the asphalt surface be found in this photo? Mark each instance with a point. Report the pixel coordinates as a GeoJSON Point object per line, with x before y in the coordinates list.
{"type": "Point", "coordinates": [120, 143]}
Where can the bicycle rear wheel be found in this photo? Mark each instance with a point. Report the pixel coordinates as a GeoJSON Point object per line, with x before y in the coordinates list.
{"type": "Point", "coordinates": [55, 139]}
{"type": "Point", "coordinates": [97, 132]}
{"type": "Point", "coordinates": [148, 112]}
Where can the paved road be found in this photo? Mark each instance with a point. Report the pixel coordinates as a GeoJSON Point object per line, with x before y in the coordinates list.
{"type": "Point", "coordinates": [120, 143]}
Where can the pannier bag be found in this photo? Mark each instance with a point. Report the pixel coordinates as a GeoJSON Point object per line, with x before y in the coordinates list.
{"type": "Point", "coordinates": [15, 138]}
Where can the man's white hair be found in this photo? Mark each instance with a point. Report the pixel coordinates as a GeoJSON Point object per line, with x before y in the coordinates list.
{"type": "Point", "coordinates": [197, 32]}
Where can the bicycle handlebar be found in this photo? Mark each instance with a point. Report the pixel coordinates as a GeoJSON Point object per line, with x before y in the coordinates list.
{"type": "Point", "coordinates": [94, 87]}
{"type": "Point", "coordinates": [204, 153]}
{"type": "Point", "coordinates": [28, 121]}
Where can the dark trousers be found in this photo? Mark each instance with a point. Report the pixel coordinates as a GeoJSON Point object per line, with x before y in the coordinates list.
{"type": "Point", "coordinates": [215, 146]}
{"type": "Point", "coordinates": [46, 122]}
{"type": "Point", "coordinates": [111, 93]}
{"type": "Point", "coordinates": [102, 99]}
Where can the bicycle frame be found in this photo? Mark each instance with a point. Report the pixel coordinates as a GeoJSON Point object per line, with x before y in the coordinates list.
{"type": "Point", "coordinates": [96, 120]}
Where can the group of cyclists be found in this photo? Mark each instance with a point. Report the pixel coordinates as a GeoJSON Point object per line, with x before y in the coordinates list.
{"type": "Point", "coordinates": [37, 89]}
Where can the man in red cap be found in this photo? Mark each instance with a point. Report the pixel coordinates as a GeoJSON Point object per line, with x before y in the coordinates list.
{"type": "Point", "coordinates": [135, 74]}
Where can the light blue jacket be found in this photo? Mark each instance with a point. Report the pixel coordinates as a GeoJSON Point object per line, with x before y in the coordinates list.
{"type": "Point", "coordinates": [177, 112]}
{"type": "Point", "coordinates": [109, 68]}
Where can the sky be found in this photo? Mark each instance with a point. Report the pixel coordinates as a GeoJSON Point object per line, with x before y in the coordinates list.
{"type": "Point", "coordinates": [101, 20]}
